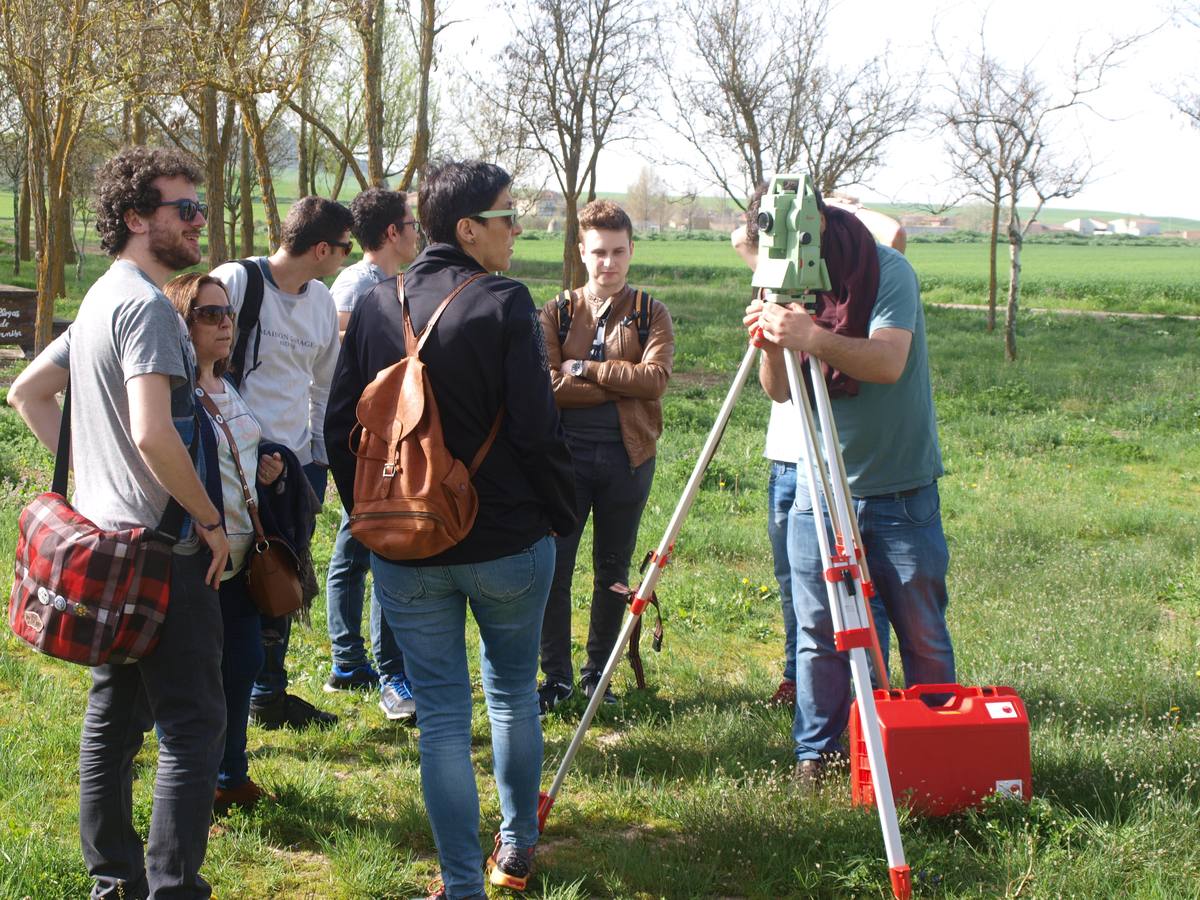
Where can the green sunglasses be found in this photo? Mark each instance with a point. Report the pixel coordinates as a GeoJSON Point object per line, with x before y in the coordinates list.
{"type": "Point", "coordinates": [497, 214]}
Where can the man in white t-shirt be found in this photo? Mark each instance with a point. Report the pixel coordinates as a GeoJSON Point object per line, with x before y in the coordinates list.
{"type": "Point", "coordinates": [289, 361]}
{"type": "Point", "coordinates": [384, 225]}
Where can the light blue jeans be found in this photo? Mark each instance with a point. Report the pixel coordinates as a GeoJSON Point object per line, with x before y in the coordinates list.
{"type": "Point", "coordinates": [426, 607]}
{"type": "Point", "coordinates": [907, 555]}
{"type": "Point", "coordinates": [781, 494]}
{"type": "Point", "coordinates": [345, 587]}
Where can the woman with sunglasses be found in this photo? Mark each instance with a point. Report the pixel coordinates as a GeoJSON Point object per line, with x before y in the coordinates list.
{"type": "Point", "coordinates": [202, 302]}
{"type": "Point", "coordinates": [486, 363]}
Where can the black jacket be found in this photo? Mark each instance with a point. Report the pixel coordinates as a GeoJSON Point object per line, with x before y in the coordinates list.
{"type": "Point", "coordinates": [486, 351]}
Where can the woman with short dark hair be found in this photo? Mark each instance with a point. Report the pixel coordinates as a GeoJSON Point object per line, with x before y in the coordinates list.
{"type": "Point", "coordinates": [484, 359]}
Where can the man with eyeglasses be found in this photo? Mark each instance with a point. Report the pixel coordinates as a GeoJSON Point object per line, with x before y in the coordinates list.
{"type": "Point", "coordinates": [289, 363]}
{"type": "Point", "coordinates": [132, 371]}
{"type": "Point", "coordinates": [389, 235]}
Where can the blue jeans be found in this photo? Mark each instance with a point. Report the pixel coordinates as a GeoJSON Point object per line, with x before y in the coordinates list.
{"type": "Point", "coordinates": [907, 555]}
{"type": "Point", "coordinates": [240, 662]}
{"type": "Point", "coordinates": [426, 607]}
{"type": "Point", "coordinates": [345, 587]}
{"type": "Point", "coordinates": [781, 494]}
{"type": "Point", "coordinates": [272, 679]}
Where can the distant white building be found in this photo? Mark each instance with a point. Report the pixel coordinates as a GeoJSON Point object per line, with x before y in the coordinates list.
{"type": "Point", "coordinates": [1086, 226]}
{"type": "Point", "coordinates": [1139, 227]}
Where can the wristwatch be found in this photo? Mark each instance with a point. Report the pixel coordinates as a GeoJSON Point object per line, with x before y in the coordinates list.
{"type": "Point", "coordinates": [577, 368]}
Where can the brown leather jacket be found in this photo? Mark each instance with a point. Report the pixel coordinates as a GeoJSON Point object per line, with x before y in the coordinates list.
{"type": "Point", "coordinates": [633, 376]}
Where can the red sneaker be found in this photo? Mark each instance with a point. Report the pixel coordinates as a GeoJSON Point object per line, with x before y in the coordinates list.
{"type": "Point", "coordinates": [785, 694]}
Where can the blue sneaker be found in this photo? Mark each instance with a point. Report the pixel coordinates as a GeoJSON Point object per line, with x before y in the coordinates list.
{"type": "Point", "coordinates": [359, 678]}
{"type": "Point", "coordinates": [396, 699]}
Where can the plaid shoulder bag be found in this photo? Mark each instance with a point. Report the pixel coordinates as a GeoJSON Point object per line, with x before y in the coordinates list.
{"type": "Point", "coordinates": [84, 594]}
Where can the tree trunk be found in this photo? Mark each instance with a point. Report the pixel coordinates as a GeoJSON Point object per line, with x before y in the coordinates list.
{"type": "Point", "coordinates": [339, 180]}
{"type": "Point", "coordinates": [24, 244]}
{"type": "Point", "coordinates": [303, 176]}
{"type": "Point", "coordinates": [266, 183]}
{"type": "Point", "coordinates": [247, 200]}
{"type": "Point", "coordinates": [370, 32]}
{"type": "Point", "coordinates": [991, 311]}
{"type": "Point", "coordinates": [1014, 291]}
{"type": "Point", "coordinates": [574, 274]}
{"type": "Point", "coordinates": [420, 148]}
{"type": "Point", "coordinates": [214, 177]}
{"type": "Point", "coordinates": [67, 210]}
{"type": "Point", "coordinates": [16, 195]}
{"type": "Point", "coordinates": [50, 282]}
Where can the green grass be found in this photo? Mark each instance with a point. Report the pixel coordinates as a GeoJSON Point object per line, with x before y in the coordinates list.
{"type": "Point", "coordinates": [1072, 507]}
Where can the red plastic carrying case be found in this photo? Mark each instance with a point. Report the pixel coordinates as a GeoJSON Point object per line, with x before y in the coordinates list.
{"type": "Point", "coordinates": [942, 759]}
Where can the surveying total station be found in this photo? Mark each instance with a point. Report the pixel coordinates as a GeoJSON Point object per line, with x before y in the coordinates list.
{"type": "Point", "coordinates": [789, 270]}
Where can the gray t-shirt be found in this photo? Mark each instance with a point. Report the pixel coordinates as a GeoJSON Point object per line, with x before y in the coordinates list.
{"type": "Point", "coordinates": [354, 281]}
{"type": "Point", "coordinates": [126, 327]}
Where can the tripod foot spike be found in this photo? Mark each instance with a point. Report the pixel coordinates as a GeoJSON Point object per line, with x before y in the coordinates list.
{"type": "Point", "coordinates": [545, 804]}
{"type": "Point", "coordinates": [901, 882]}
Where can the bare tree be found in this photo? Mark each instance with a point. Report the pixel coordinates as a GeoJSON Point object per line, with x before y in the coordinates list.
{"type": "Point", "coordinates": [1014, 113]}
{"type": "Point", "coordinates": [425, 29]}
{"type": "Point", "coordinates": [57, 56]}
{"type": "Point", "coordinates": [756, 98]}
{"type": "Point", "coordinates": [646, 199]}
{"type": "Point", "coordinates": [571, 80]}
{"type": "Point", "coordinates": [979, 145]}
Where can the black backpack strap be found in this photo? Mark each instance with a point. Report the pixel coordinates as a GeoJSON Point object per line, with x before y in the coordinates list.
{"type": "Point", "coordinates": [643, 317]}
{"type": "Point", "coordinates": [564, 316]}
{"type": "Point", "coordinates": [247, 323]}
{"type": "Point", "coordinates": [63, 456]}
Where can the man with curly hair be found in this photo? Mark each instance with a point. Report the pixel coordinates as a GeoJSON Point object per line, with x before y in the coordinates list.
{"type": "Point", "coordinates": [384, 225]}
{"type": "Point", "coordinates": [131, 372]}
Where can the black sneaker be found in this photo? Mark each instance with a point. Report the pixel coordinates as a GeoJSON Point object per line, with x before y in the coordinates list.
{"type": "Point", "coordinates": [587, 684]}
{"type": "Point", "coordinates": [289, 711]}
{"type": "Point", "coordinates": [551, 693]}
{"type": "Point", "coordinates": [359, 678]}
{"type": "Point", "coordinates": [509, 866]}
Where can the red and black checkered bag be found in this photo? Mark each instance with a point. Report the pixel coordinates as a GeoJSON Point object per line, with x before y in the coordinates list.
{"type": "Point", "coordinates": [84, 594]}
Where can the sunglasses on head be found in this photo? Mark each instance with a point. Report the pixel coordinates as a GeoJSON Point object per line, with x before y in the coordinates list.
{"type": "Point", "coordinates": [188, 208]}
{"type": "Point", "coordinates": [212, 315]}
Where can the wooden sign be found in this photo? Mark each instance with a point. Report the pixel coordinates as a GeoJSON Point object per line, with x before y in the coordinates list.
{"type": "Point", "coordinates": [18, 316]}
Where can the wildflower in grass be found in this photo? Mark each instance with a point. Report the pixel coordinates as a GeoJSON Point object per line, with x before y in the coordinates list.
{"type": "Point", "coordinates": [747, 581]}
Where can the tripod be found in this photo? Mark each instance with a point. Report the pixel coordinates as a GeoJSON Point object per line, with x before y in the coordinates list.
{"type": "Point", "coordinates": [847, 583]}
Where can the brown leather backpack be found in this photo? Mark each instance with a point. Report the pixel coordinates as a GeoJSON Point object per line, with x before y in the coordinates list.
{"type": "Point", "coordinates": [412, 498]}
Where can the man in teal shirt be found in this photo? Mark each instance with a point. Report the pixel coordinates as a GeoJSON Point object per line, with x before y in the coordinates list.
{"type": "Point", "coordinates": [888, 434]}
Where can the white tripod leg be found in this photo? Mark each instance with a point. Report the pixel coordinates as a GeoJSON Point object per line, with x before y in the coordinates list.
{"type": "Point", "coordinates": [658, 562]}
{"type": "Point", "coordinates": [851, 622]}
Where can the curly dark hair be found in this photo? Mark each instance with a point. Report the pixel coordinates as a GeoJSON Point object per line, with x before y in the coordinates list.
{"type": "Point", "coordinates": [125, 182]}
{"type": "Point", "coordinates": [374, 210]}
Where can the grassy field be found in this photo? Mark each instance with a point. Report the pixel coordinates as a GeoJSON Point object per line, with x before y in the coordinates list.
{"type": "Point", "coordinates": [1072, 508]}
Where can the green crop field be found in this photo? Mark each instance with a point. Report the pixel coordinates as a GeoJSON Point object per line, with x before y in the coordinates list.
{"type": "Point", "coordinates": [1072, 507]}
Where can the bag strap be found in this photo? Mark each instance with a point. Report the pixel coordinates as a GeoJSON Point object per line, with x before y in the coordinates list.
{"type": "Point", "coordinates": [487, 443]}
{"type": "Point", "coordinates": [214, 413]}
{"type": "Point", "coordinates": [63, 455]}
{"type": "Point", "coordinates": [413, 342]}
{"type": "Point", "coordinates": [564, 316]}
{"type": "Point", "coordinates": [643, 318]}
{"type": "Point", "coordinates": [170, 525]}
{"type": "Point", "coordinates": [247, 322]}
